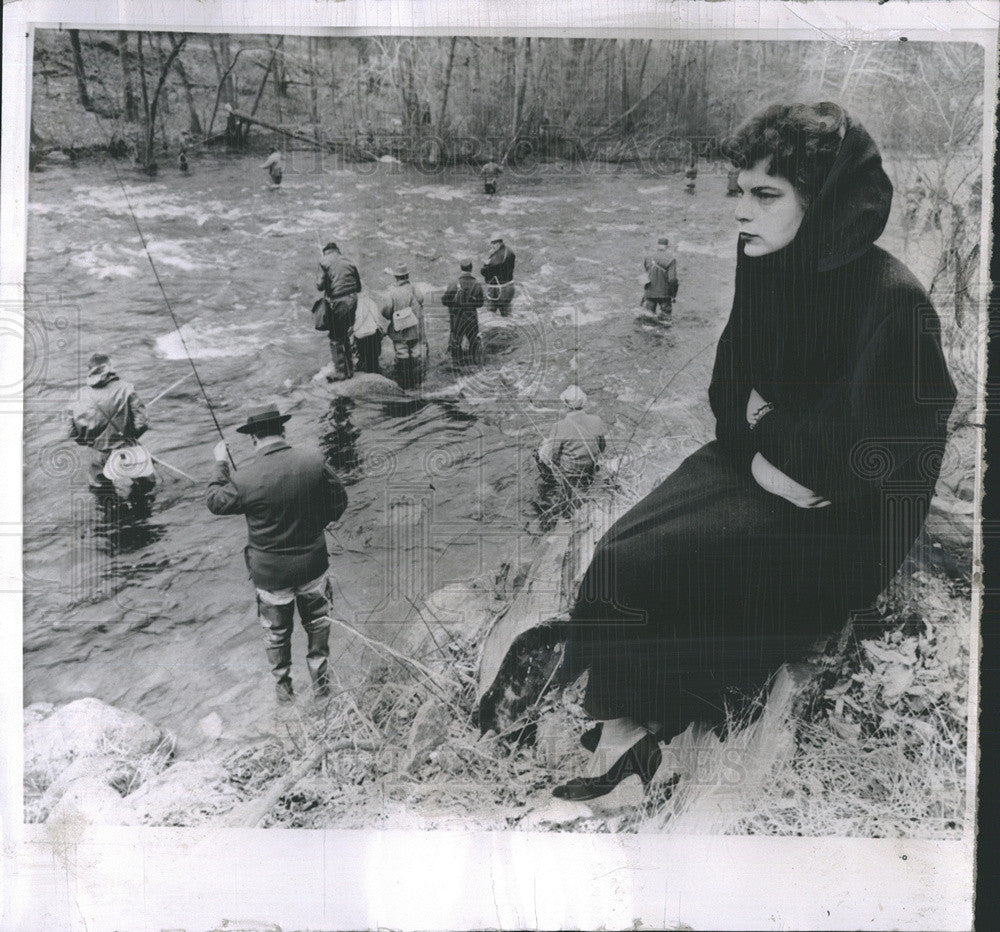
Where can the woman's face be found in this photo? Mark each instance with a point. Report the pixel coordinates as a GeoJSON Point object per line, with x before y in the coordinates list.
{"type": "Point", "coordinates": [768, 212]}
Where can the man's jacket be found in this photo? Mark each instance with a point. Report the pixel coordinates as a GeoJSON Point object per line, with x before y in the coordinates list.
{"type": "Point", "coordinates": [499, 268]}
{"type": "Point", "coordinates": [575, 444]}
{"type": "Point", "coordinates": [106, 414]}
{"type": "Point", "coordinates": [288, 497]}
{"type": "Point", "coordinates": [338, 278]}
{"type": "Point", "coordinates": [662, 277]}
{"type": "Point", "coordinates": [464, 295]}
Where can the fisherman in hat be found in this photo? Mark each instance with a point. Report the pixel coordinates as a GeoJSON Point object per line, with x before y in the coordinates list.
{"type": "Point", "coordinates": [107, 416]}
{"type": "Point", "coordinates": [288, 496]}
{"type": "Point", "coordinates": [570, 454]}
{"type": "Point", "coordinates": [498, 273]}
{"type": "Point", "coordinates": [340, 283]}
{"type": "Point", "coordinates": [661, 289]}
{"type": "Point", "coordinates": [463, 298]}
{"type": "Point", "coordinates": [403, 308]}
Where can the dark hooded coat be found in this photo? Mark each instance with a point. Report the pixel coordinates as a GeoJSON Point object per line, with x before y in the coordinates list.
{"type": "Point", "coordinates": [711, 582]}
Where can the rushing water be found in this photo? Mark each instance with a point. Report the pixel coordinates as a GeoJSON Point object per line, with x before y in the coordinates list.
{"type": "Point", "coordinates": [160, 618]}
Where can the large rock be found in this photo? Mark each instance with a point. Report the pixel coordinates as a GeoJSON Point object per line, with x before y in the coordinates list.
{"type": "Point", "coordinates": [91, 800]}
{"type": "Point", "coordinates": [87, 728]}
{"type": "Point", "coordinates": [110, 770]}
{"type": "Point", "coordinates": [183, 792]}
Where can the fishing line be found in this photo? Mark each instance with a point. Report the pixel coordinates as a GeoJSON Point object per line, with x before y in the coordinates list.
{"type": "Point", "coordinates": [166, 300]}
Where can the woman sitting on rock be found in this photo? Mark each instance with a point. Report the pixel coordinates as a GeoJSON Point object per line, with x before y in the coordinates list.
{"type": "Point", "coordinates": [831, 398]}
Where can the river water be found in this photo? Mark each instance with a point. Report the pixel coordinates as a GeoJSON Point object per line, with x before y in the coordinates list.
{"type": "Point", "coordinates": [160, 618]}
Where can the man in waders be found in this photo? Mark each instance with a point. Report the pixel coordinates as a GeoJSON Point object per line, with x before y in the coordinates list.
{"type": "Point", "coordinates": [661, 289]}
{"type": "Point", "coordinates": [570, 453]}
{"type": "Point", "coordinates": [288, 497]}
{"type": "Point", "coordinates": [275, 167]}
{"type": "Point", "coordinates": [490, 172]}
{"type": "Point", "coordinates": [404, 309]}
{"type": "Point", "coordinates": [498, 273]}
{"type": "Point", "coordinates": [340, 283]}
{"type": "Point", "coordinates": [107, 416]}
{"type": "Point", "coordinates": [463, 299]}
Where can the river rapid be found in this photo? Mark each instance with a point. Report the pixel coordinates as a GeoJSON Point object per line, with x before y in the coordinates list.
{"type": "Point", "coordinates": [160, 618]}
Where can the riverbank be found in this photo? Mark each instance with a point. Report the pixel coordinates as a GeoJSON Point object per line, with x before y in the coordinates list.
{"type": "Point", "coordinates": [866, 740]}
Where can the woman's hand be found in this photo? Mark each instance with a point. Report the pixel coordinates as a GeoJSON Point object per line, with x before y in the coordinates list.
{"type": "Point", "coordinates": [773, 480]}
{"type": "Point", "coordinates": [757, 407]}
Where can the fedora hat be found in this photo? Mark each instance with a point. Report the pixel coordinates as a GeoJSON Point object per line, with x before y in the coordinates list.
{"type": "Point", "coordinates": [261, 415]}
{"type": "Point", "coordinates": [400, 271]}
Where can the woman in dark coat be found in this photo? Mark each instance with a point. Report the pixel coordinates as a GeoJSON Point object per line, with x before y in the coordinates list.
{"type": "Point", "coordinates": [831, 398]}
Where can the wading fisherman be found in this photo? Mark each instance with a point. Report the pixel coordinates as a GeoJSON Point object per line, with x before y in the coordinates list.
{"type": "Point", "coordinates": [404, 309]}
{"type": "Point", "coordinates": [463, 298]}
{"type": "Point", "coordinates": [569, 456]}
{"type": "Point", "coordinates": [107, 416]}
{"type": "Point", "coordinates": [661, 289]}
{"type": "Point", "coordinates": [288, 497]}
{"type": "Point", "coordinates": [275, 167]}
{"type": "Point", "coordinates": [340, 283]}
{"type": "Point", "coordinates": [498, 273]}
{"type": "Point", "coordinates": [490, 172]}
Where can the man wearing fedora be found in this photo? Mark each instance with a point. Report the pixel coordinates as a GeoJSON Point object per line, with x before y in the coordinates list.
{"type": "Point", "coordinates": [404, 309]}
{"type": "Point", "coordinates": [106, 415]}
{"type": "Point", "coordinates": [288, 497]}
{"type": "Point", "coordinates": [463, 298]}
{"type": "Point", "coordinates": [340, 283]}
{"type": "Point", "coordinates": [498, 273]}
{"type": "Point", "coordinates": [661, 289]}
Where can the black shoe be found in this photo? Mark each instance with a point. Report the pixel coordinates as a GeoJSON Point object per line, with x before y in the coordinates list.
{"type": "Point", "coordinates": [643, 758]}
{"type": "Point", "coordinates": [283, 693]}
{"type": "Point", "coordinates": [592, 737]}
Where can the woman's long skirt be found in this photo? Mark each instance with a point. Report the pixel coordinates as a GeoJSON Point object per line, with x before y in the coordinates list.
{"type": "Point", "coordinates": [711, 583]}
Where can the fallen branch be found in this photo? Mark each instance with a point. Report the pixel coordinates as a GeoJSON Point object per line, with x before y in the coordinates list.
{"type": "Point", "coordinates": [256, 812]}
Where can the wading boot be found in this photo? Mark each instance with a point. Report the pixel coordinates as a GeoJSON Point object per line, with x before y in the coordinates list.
{"type": "Point", "coordinates": [277, 620]}
{"type": "Point", "coordinates": [313, 609]}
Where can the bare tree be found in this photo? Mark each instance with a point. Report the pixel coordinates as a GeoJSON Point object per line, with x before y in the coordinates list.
{"type": "Point", "coordinates": [131, 109]}
{"type": "Point", "coordinates": [81, 75]}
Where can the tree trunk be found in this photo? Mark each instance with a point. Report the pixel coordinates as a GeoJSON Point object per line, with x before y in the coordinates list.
{"type": "Point", "coordinates": [447, 84]}
{"type": "Point", "coordinates": [627, 123]}
{"type": "Point", "coordinates": [194, 123]}
{"type": "Point", "coordinates": [81, 76]}
{"type": "Point", "coordinates": [146, 151]}
{"type": "Point", "coordinates": [128, 94]}
{"type": "Point", "coordinates": [260, 90]}
{"type": "Point", "coordinates": [313, 89]}
{"type": "Point", "coordinates": [152, 104]}
{"type": "Point", "coordinates": [522, 89]}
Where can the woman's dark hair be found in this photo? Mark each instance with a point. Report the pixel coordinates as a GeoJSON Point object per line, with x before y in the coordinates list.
{"type": "Point", "coordinates": [801, 140]}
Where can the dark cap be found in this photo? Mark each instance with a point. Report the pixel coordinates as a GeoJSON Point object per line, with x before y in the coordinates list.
{"type": "Point", "coordinates": [98, 359]}
{"type": "Point", "coordinates": [260, 416]}
{"type": "Point", "coordinates": [330, 246]}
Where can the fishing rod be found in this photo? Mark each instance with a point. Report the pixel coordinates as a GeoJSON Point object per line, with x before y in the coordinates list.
{"type": "Point", "coordinates": [163, 291]}
{"type": "Point", "coordinates": [170, 387]}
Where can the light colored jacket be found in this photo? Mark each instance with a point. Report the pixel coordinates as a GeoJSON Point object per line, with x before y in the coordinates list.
{"type": "Point", "coordinates": [575, 443]}
{"type": "Point", "coordinates": [106, 414]}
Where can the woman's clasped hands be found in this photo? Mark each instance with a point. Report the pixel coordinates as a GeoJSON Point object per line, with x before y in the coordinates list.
{"type": "Point", "coordinates": [767, 475]}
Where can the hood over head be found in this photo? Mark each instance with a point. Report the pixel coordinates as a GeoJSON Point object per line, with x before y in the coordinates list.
{"type": "Point", "coordinates": [852, 207]}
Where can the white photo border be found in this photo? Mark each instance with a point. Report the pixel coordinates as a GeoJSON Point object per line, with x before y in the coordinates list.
{"type": "Point", "coordinates": [144, 878]}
